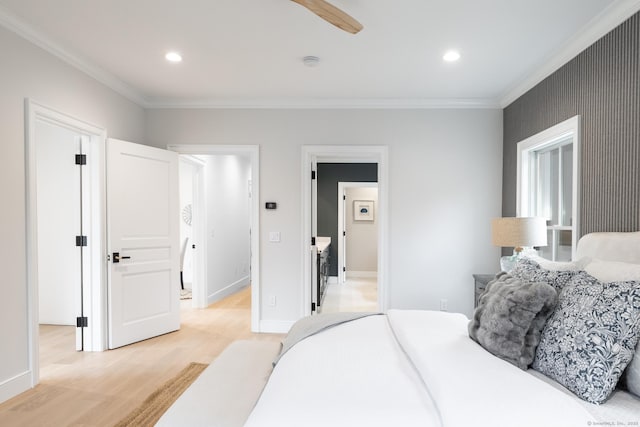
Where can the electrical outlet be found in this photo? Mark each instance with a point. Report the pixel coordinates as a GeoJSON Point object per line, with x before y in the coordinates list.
{"type": "Point", "coordinates": [443, 305]}
{"type": "Point", "coordinates": [272, 301]}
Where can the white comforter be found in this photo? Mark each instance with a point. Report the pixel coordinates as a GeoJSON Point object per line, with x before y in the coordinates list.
{"type": "Point", "coordinates": [409, 368]}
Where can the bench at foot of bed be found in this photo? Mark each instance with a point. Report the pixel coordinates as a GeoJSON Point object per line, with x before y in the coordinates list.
{"type": "Point", "coordinates": [225, 393]}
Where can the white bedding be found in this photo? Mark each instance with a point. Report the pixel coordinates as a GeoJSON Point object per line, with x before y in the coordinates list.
{"type": "Point", "coordinates": [409, 368]}
{"type": "Point", "coordinates": [351, 375]}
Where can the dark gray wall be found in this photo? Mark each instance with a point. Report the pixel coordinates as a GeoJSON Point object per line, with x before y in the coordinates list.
{"type": "Point", "coordinates": [329, 174]}
{"type": "Point", "coordinates": [602, 85]}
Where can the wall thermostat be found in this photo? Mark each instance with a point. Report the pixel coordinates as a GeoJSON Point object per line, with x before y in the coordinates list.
{"type": "Point", "coordinates": [271, 205]}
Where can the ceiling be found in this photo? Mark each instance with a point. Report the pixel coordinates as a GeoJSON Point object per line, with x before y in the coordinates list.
{"type": "Point", "coordinates": [248, 53]}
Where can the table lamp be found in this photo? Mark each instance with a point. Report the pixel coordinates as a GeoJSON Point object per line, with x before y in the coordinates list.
{"type": "Point", "coordinates": [518, 233]}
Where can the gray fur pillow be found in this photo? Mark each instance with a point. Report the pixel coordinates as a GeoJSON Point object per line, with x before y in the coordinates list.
{"type": "Point", "coordinates": [510, 317]}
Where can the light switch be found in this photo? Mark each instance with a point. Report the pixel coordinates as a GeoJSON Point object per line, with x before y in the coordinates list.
{"type": "Point", "coordinates": [274, 236]}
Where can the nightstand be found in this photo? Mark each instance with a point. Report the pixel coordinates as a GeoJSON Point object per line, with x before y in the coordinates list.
{"type": "Point", "coordinates": [481, 281]}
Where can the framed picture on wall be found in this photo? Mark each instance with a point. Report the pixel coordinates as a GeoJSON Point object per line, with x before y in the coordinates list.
{"type": "Point", "coordinates": [363, 210]}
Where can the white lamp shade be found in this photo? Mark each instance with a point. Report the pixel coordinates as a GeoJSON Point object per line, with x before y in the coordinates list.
{"type": "Point", "coordinates": [519, 232]}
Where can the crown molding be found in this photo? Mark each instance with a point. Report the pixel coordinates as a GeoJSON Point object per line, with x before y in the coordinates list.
{"type": "Point", "coordinates": [323, 103]}
{"type": "Point", "coordinates": [14, 24]}
{"type": "Point", "coordinates": [594, 30]}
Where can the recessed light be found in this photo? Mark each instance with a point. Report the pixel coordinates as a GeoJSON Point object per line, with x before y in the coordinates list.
{"type": "Point", "coordinates": [173, 57]}
{"type": "Point", "coordinates": [451, 56]}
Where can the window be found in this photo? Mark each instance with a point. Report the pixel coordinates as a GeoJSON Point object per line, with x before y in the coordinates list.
{"type": "Point", "coordinates": [548, 185]}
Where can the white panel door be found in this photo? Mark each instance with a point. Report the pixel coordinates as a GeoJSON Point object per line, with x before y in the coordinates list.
{"type": "Point", "coordinates": [143, 241]}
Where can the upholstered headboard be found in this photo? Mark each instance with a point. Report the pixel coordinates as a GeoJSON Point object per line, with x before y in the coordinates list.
{"type": "Point", "coordinates": [623, 247]}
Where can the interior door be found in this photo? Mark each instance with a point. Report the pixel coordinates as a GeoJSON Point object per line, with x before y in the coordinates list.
{"type": "Point", "coordinates": [314, 233]}
{"type": "Point", "coordinates": [343, 235]}
{"type": "Point", "coordinates": [143, 242]}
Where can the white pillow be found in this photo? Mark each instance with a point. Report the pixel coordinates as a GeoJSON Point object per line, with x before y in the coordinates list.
{"type": "Point", "coordinates": [613, 271]}
{"type": "Point", "coordinates": [560, 265]}
{"type": "Point", "coordinates": [632, 374]}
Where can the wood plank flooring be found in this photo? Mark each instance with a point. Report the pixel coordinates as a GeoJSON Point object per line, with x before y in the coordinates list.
{"type": "Point", "coordinates": [98, 389]}
{"type": "Point", "coordinates": [355, 294]}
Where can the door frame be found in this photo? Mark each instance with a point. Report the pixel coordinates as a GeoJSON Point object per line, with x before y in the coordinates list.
{"type": "Point", "coordinates": [253, 152]}
{"type": "Point", "coordinates": [345, 154]}
{"type": "Point", "coordinates": [94, 292]}
{"type": "Point", "coordinates": [342, 186]}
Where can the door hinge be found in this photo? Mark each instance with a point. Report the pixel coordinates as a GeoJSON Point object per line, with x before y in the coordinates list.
{"type": "Point", "coordinates": [313, 174]}
{"type": "Point", "coordinates": [313, 241]}
{"type": "Point", "coordinates": [344, 269]}
{"type": "Point", "coordinates": [81, 240]}
{"type": "Point", "coordinates": [313, 306]}
{"type": "Point", "coordinates": [82, 322]}
{"type": "Point", "coordinates": [344, 197]}
{"type": "Point", "coordinates": [81, 159]}
{"type": "Point", "coordinates": [344, 233]}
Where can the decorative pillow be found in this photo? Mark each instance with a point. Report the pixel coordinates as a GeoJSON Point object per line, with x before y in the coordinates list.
{"type": "Point", "coordinates": [510, 317]}
{"type": "Point", "coordinates": [632, 374]}
{"type": "Point", "coordinates": [591, 336]}
{"type": "Point", "coordinates": [613, 271]}
{"type": "Point", "coordinates": [529, 270]}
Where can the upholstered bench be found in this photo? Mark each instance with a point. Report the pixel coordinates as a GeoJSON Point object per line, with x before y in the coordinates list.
{"type": "Point", "coordinates": [226, 392]}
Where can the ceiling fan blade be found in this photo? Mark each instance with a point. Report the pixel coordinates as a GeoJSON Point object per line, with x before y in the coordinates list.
{"type": "Point", "coordinates": [332, 15]}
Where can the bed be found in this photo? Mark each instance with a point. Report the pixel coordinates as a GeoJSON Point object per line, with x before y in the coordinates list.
{"type": "Point", "coordinates": [421, 368]}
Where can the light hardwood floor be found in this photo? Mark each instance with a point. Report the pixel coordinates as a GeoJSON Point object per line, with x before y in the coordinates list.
{"type": "Point", "coordinates": [355, 294]}
{"type": "Point", "coordinates": [98, 389]}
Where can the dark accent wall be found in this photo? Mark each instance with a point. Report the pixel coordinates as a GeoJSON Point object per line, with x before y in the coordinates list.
{"type": "Point", "coordinates": [329, 174]}
{"type": "Point", "coordinates": [602, 85]}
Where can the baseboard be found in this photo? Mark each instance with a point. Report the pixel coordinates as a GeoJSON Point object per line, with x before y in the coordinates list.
{"type": "Point", "coordinates": [228, 290]}
{"type": "Point", "coordinates": [363, 274]}
{"type": "Point", "coordinates": [332, 280]}
{"type": "Point", "coordinates": [276, 326]}
{"type": "Point", "coordinates": [14, 386]}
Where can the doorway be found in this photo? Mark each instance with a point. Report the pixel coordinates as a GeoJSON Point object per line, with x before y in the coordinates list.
{"type": "Point", "coordinates": [356, 284]}
{"type": "Point", "coordinates": [213, 277]}
{"type": "Point", "coordinates": [64, 208]}
{"type": "Point", "coordinates": [311, 156]}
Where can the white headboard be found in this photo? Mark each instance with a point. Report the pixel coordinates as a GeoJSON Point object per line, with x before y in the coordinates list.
{"type": "Point", "coordinates": [623, 247]}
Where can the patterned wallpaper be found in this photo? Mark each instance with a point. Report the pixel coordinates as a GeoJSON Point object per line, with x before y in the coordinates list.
{"type": "Point", "coordinates": [602, 85]}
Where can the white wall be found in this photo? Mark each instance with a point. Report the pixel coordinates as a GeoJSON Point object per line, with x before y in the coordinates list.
{"type": "Point", "coordinates": [362, 236]}
{"type": "Point", "coordinates": [27, 71]}
{"type": "Point", "coordinates": [445, 186]}
{"type": "Point", "coordinates": [227, 204]}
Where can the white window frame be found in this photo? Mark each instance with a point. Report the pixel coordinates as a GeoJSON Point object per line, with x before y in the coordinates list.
{"type": "Point", "coordinates": [570, 128]}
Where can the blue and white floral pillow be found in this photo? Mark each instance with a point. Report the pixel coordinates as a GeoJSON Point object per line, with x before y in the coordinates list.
{"type": "Point", "coordinates": [591, 336]}
{"type": "Point", "coordinates": [528, 270]}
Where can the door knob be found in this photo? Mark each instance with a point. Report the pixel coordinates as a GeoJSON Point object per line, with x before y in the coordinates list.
{"type": "Point", "coordinates": [117, 257]}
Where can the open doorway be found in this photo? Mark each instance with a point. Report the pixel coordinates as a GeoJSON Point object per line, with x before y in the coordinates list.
{"type": "Point", "coordinates": [65, 233]}
{"type": "Point", "coordinates": [356, 287]}
{"type": "Point", "coordinates": [312, 157]}
{"type": "Point", "coordinates": [333, 181]}
{"type": "Point", "coordinates": [219, 197]}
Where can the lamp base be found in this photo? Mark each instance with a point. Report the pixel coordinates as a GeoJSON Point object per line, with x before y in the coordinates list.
{"type": "Point", "coordinates": [508, 262]}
